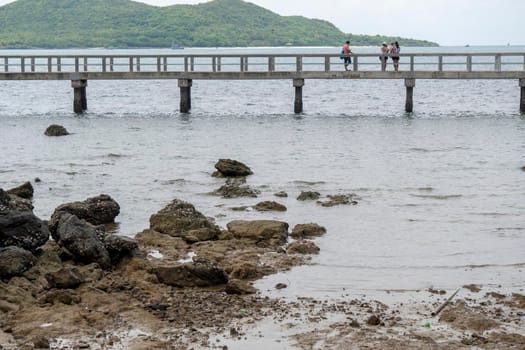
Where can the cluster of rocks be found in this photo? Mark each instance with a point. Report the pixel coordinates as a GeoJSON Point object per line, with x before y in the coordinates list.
{"type": "Point", "coordinates": [76, 228]}
{"type": "Point", "coordinates": [230, 257]}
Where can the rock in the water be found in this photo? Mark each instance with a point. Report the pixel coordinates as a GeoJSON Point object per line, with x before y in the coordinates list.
{"type": "Point", "coordinates": [239, 287]}
{"type": "Point", "coordinates": [339, 199]}
{"type": "Point", "coordinates": [56, 130]}
{"type": "Point", "coordinates": [262, 232]}
{"type": "Point", "coordinates": [14, 261]}
{"type": "Point", "coordinates": [308, 196]}
{"type": "Point", "coordinates": [302, 247]}
{"type": "Point", "coordinates": [199, 273]}
{"type": "Point", "coordinates": [23, 191]}
{"type": "Point", "coordinates": [97, 210]}
{"type": "Point", "coordinates": [65, 278]}
{"type": "Point", "coordinates": [269, 206]}
{"type": "Point", "coordinates": [181, 219]}
{"type": "Point", "coordinates": [81, 240]}
{"type": "Point", "coordinates": [281, 194]}
{"type": "Point", "coordinates": [119, 247]}
{"type": "Point", "coordinates": [22, 229]}
{"type": "Point", "coordinates": [307, 231]}
{"type": "Point", "coordinates": [235, 188]}
{"type": "Point", "coordinates": [232, 168]}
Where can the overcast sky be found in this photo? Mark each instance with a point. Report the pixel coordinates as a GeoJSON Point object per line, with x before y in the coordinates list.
{"type": "Point", "coordinates": [447, 22]}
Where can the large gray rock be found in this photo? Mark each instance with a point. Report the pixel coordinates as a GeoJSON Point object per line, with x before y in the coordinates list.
{"type": "Point", "coordinates": [97, 210]}
{"type": "Point", "coordinates": [14, 202]}
{"type": "Point", "coordinates": [14, 261]}
{"type": "Point", "coordinates": [181, 219]}
{"type": "Point", "coordinates": [81, 240]}
{"type": "Point", "coordinates": [262, 232]}
{"type": "Point", "coordinates": [199, 273]}
{"type": "Point", "coordinates": [232, 168]}
{"type": "Point", "coordinates": [22, 229]}
{"type": "Point", "coordinates": [4, 200]}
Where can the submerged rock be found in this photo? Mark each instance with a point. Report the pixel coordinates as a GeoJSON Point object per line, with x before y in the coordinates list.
{"type": "Point", "coordinates": [15, 261]}
{"type": "Point", "coordinates": [97, 210]}
{"type": "Point", "coordinates": [339, 199]}
{"type": "Point", "coordinates": [308, 196]}
{"type": "Point", "coordinates": [232, 168]}
{"type": "Point", "coordinates": [22, 229]}
{"type": "Point", "coordinates": [239, 287]}
{"type": "Point", "coordinates": [281, 194]}
{"type": "Point", "coordinates": [56, 130]}
{"type": "Point", "coordinates": [270, 206]}
{"type": "Point", "coordinates": [302, 247]}
{"type": "Point", "coordinates": [181, 219]}
{"type": "Point", "coordinates": [233, 188]}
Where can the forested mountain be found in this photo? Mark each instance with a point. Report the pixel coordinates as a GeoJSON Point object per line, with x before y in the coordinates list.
{"type": "Point", "coordinates": [125, 23]}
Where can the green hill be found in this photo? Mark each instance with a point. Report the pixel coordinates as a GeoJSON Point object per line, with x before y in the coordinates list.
{"type": "Point", "coordinates": [125, 23]}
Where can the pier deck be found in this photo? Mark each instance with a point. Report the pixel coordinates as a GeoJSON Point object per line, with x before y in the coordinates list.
{"type": "Point", "coordinates": [296, 67]}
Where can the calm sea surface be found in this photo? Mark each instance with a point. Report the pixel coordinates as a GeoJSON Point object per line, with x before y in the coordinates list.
{"type": "Point", "coordinates": [442, 194]}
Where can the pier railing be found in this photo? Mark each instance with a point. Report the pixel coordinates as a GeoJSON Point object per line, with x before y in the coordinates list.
{"type": "Point", "coordinates": [486, 65]}
{"type": "Point", "coordinates": [296, 67]}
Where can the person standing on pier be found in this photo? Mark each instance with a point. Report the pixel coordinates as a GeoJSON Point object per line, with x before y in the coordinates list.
{"type": "Point", "coordinates": [346, 54]}
{"type": "Point", "coordinates": [394, 54]}
{"type": "Point", "coordinates": [384, 56]}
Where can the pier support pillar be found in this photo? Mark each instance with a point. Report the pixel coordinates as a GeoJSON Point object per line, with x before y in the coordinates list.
{"type": "Point", "coordinates": [409, 105]}
{"type": "Point", "coordinates": [298, 104]}
{"type": "Point", "coordinates": [522, 96]}
{"type": "Point", "coordinates": [185, 95]}
{"type": "Point", "coordinates": [79, 95]}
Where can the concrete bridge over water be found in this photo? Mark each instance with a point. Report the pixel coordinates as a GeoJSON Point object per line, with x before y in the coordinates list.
{"type": "Point", "coordinates": [297, 68]}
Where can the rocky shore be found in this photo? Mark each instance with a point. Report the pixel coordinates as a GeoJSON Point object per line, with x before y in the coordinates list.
{"type": "Point", "coordinates": [186, 283]}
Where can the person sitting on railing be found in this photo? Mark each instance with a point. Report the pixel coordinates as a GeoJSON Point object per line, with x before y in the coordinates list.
{"type": "Point", "coordinates": [384, 56]}
{"type": "Point", "coordinates": [346, 54]}
{"type": "Point", "coordinates": [394, 54]}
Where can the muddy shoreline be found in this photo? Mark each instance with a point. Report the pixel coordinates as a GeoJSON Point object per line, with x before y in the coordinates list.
{"type": "Point", "coordinates": [185, 283]}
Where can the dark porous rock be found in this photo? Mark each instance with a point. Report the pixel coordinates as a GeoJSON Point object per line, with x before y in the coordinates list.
{"type": "Point", "coordinates": [373, 321]}
{"type": "Point", "coordinates": [302, 247]}
{"type": "Point", "coordinates": [269, 206]}
{"type": "Point", "coordinates": [181, 219]}
{"type": "Point", "coordinates": [281, 194]}
{"type": "Point", "coordinates": [23, 191]}
{"type": "Point", "coordinates": [308, 196]}
{"type": "Point", "coordinates": [22, 229]}
{"type": "Point", "coordinates": [65, 278]}
{"type": "Point", "coordinates": [523, 168]}
{"type": "Point", "coordinates": [97, 210]}
{"type": "Point", "coordinates": [281, 286]}
{"type": "Point", "coordinates": [120, 247]}
{"type": "Point", "coordinates": [239, 287]}
{"type": "Point", "coordinates": [199, 273]}
{"type": "Point", "coordinates": [60, 296]}
{"type": "Point", "coordinates": [308, 231]}
{"type": "Point", "coordinates": [339, 199]}
{"type": "Point", "coordinates": [81, 240]}
{"type": "Point", "coordinates": [263, 232]}
{"type": "Point", "coordinates": [56, 130]}
{"type": "Point", "coordinates": [13, 202]}
{"type": "Point", "coordinates": [235, 188]}
{"type": "Point", "coordinates": [14, 261]}
{"type": "Point", "coordinates": [232, 168]}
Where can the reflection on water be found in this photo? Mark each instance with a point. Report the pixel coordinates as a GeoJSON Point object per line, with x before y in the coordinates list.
{"type": "Point", "coordinates": [442, 192]}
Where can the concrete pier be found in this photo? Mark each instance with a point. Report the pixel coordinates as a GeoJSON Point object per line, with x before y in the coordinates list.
{"type": "Point", "coordinates": [409, 104]}
{"type": "Point", "coordinates": [298, 104]}
{"type": "Point", "coordinates": [185, 95]}
{"type": "Point", "coordinates": [79, 95]}
{"type": "Point", "coordinates": [522, 96]}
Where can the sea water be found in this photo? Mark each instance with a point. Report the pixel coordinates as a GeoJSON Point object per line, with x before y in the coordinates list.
{"type": "Point", "coordinates": [441, 191]}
